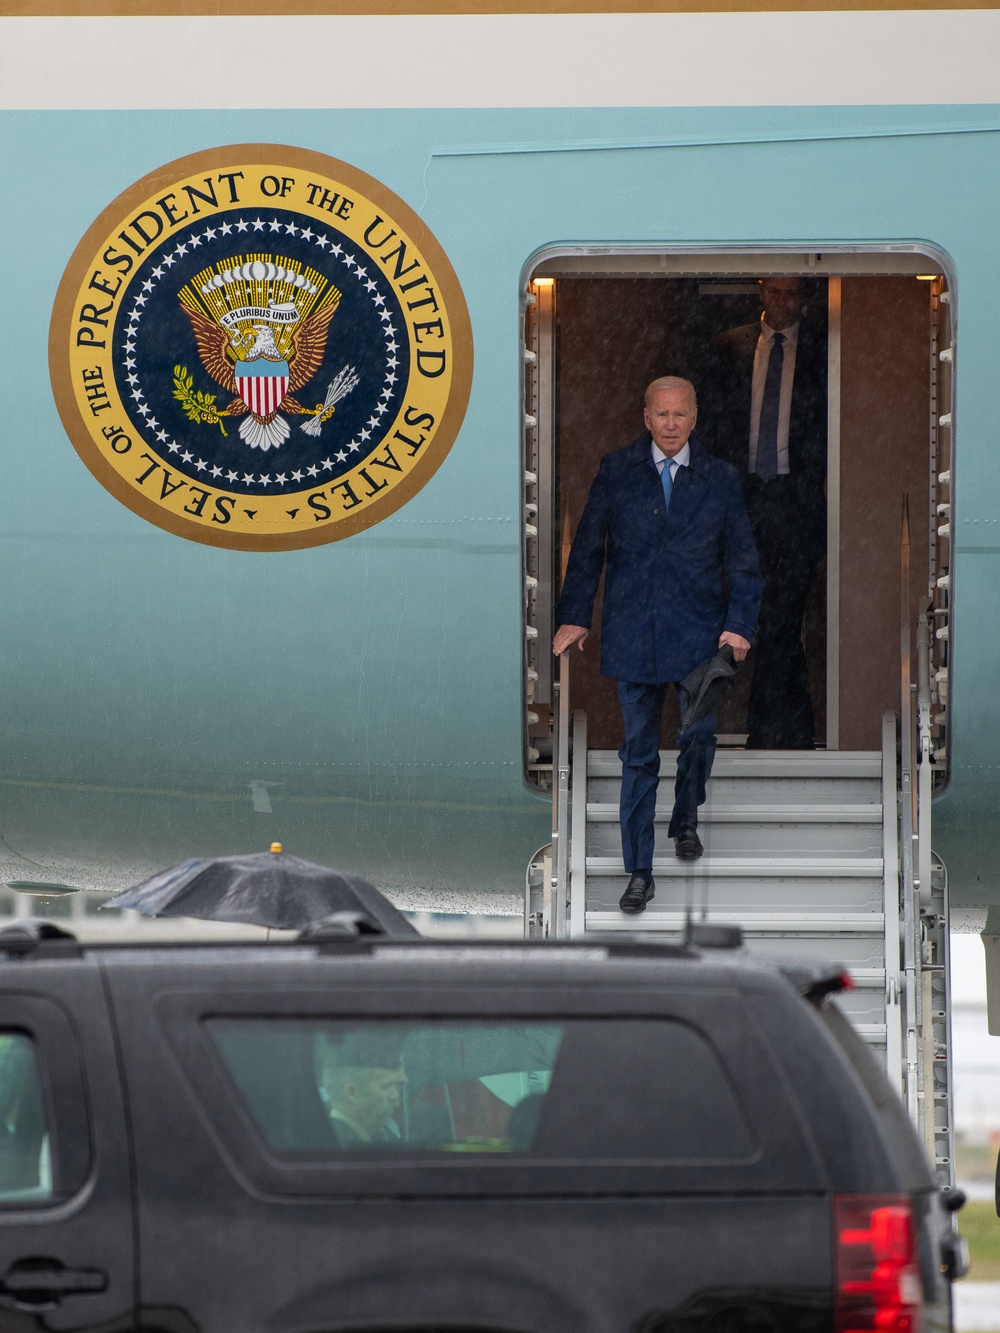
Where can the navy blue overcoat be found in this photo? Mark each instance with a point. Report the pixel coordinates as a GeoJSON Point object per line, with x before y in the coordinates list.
{"type": "Point", "coordinates": [674, 581]}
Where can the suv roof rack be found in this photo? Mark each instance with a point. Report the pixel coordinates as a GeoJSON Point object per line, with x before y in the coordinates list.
{"type": "Point", "coordinates": [35, 936]}
{"type": "Point", "coordinates": [711, 935]}
{"type": "Point", "coordinates": [339, 927]}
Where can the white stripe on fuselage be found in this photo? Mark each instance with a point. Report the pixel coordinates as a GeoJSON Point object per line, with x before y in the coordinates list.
{"type": "Point", "coordinates": [501, 60]}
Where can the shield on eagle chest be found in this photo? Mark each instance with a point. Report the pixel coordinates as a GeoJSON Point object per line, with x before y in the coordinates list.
{"type": "Point", "coordinates": [262, 384]}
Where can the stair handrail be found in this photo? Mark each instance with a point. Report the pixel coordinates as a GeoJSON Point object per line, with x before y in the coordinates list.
{"type": "Point", "coordinates": [916, 860]}
{"type": "Point", "coordinates": [554, 905]}
{"type": "Point", "coordinates": [925, 785]}
{"type": "Point", "coordinates": [921, 892]}
{"type": "Point", "coordinates": [907, 820]}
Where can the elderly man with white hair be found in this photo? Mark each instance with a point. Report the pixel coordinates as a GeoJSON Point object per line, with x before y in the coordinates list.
{"type": "Point", "coordinates": [669, 523]}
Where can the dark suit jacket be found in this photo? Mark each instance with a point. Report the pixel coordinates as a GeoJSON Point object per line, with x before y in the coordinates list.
{"type": "Point", "coordinates": [727, 395]}
{"type": "Point", "coordinates": [348, 1137]}
{"type": "Point", "coordinates": [674, 582]}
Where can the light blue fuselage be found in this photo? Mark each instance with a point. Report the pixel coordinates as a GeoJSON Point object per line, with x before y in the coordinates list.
{"type": "Point", "coordinates": [147, 681]}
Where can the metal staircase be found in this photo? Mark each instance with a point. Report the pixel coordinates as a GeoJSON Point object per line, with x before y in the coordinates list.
{"type": "Point", "coordinates": [823, 855]}
{"type": "Point", "coordinates": [793, 855]}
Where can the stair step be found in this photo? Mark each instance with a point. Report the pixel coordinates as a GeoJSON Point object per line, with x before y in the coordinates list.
{"type": "Point", "coordinates": [607, 812]}
{"type": "Point", "coordinates": [827, 793]}
{"type": "Point", "coordinates": [868, 978]}
{"type": "Point", "coordinates": [761, 763]}
{"type": "Point", "coordinates": [756, 923]}
{"type": "Point", "coordinates": [755, 841]}
{"type": "Point", "coordinates": [872, 1033]}
{"type": "Point", "coordinates": [750, 867]}
{"type": "Point", "coordinates": [737, 898]}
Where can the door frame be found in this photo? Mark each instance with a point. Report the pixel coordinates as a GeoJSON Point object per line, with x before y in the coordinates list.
{"type": "Point", "coordinates": [832, 260]}
{"type": "Point", "coordinates": [833, 298]}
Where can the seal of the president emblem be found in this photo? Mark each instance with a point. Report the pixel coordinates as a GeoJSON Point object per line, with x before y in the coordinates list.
{"type": "Point", "coordinates": [260, 347]}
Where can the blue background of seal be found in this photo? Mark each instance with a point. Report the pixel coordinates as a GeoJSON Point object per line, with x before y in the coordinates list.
{"type": "Point", "coordinates": [355, 338]}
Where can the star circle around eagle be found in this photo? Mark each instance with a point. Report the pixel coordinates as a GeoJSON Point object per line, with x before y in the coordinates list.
{"type": "Point", "coordinates": [261, 352]}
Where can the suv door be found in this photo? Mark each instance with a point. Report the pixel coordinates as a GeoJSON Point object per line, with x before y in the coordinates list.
{"type": "Point", "coordinates": [66, 1252]}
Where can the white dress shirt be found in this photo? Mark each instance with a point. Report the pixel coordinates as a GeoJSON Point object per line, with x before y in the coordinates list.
{"type": "Point", "coordinates": [761, 357]}
{"type": "Point", "coordinates": [680, 459]}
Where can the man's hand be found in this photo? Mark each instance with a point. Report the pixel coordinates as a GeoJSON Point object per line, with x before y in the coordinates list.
{"type": "Point", "coordinates": [739, 645]}
{"type": "Point", "coordinates": [567, 635]}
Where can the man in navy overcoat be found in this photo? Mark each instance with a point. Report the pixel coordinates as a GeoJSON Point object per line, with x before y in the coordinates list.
{"type": "Point", "coordinates": [669, 521]}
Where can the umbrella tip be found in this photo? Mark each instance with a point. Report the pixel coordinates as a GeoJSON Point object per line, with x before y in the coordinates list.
{"type": "Point", "coordinates": [276, 847]}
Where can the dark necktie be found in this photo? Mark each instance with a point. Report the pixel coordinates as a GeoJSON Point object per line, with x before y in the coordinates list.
{"type": "Point", "coordinates": [767, 434]}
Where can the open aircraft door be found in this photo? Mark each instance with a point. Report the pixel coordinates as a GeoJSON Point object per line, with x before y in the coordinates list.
{"type": "Point", "coordinates": [818, 853]}
{"type": "Point", "coordinates": [600, 326]}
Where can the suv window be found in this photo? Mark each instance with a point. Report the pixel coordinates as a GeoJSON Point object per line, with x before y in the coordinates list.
{"type": "Point", "coordinates": [891, 1111]}
{"type": "Point", "coordinates": [597, 1089]}
{"type": "Point", "coordinates": [25, 1155]}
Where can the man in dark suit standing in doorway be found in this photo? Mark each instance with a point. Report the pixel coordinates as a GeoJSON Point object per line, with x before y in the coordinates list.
{"type": "Point", "coordinates": [770, 388]}
{"type": "Point", "coordinates": [682, 580]}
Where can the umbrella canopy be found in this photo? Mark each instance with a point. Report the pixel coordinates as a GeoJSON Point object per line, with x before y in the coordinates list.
{"type": "Point", "coordinates": [707, 685]}
{"type": "Point", "coordinates": [265, 889]}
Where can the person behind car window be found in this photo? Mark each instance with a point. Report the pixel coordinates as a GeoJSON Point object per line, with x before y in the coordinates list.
{"type": "Point", "coordinates": [25, 1162]}
{"type": "Point", "coordinates": [361, 1079]}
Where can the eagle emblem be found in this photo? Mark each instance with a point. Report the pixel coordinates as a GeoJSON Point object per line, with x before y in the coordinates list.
{"type": "Point", "coordinates": [261, 324]}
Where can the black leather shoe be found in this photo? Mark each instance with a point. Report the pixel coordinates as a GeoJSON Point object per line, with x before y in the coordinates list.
{"type": "Point", "coordinates": [639, 892]}
{"type": "Point", "coordinates": [687, 845]}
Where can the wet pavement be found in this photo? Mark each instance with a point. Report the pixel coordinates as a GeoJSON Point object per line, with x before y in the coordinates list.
{"type": "Point", "coordinates": [977, 1307]}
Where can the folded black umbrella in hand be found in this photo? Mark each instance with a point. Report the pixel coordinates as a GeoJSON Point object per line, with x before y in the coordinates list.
{"type": "Point", "coordinates": [707, 685]}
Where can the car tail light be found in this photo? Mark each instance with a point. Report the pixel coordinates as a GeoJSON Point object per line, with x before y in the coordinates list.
{"type": "Point", "coordinates": [878, 1273]}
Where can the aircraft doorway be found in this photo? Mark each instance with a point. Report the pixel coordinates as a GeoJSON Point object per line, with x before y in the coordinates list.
{"type": "Point", "coordinates": [599, 328]}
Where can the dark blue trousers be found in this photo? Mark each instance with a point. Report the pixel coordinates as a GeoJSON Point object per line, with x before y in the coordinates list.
{"type": "Point", "coordinates": [642, 708]}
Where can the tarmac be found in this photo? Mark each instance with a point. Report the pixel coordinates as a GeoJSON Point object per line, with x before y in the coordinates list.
{"type": "Point", "coordinates": [977, 1307]}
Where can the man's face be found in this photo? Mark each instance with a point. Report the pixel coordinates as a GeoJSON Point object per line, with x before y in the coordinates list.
{"type": "Point", "coordinates": [670, 419]}
{"type": "Point", "coordinates": [782, 299]}
{"type": "Point", "coordinates": [377, 1096]}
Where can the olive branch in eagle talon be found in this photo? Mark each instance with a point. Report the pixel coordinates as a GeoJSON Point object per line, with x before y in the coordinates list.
{"type": "Point", "coordinates": [198, 406]}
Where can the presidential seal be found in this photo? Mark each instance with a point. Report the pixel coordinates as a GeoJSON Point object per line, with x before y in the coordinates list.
{"type": "Point", "coordinates": [260, 347]}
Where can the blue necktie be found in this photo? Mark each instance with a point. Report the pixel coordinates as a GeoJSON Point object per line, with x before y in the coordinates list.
{"type": "Point", "coordinates": [667, 482]}
{"type": "Point", "coordinates": [767, 434]}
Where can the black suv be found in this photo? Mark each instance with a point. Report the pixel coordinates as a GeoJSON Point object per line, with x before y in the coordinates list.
{"type": "Point", "coordinates": [362, 1134]}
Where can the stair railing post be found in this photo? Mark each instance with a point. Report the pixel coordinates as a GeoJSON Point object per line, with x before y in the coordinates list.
{"type": "Point", "coordinates": [577, 921]}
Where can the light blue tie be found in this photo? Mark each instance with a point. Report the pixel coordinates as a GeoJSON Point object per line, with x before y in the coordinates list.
{"type": "Point", "coordinates": [667, 481]}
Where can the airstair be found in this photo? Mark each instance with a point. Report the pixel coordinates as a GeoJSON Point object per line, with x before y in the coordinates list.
{"type": "Point", "coordinates": [823, 855]}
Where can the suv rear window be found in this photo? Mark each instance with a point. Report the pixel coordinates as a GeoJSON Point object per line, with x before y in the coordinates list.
{"type": "Point", "coordinates": [25, 1154]}
{"type": "Point", "coordinates": [594, 1089]}
{"type": "Point", "coordinates": [899, 1133]}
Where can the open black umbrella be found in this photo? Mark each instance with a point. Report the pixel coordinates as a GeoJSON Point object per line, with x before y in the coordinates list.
{"type": "Point", "coordinates": [707, 685]}
{"type": "Point", "coordinates": [265, 889]}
